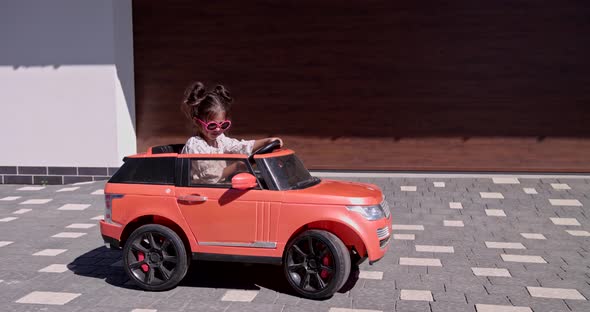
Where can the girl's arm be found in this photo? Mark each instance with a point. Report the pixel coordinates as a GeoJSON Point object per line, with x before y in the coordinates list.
{"type": "Point", "coordinates": [262, 142]}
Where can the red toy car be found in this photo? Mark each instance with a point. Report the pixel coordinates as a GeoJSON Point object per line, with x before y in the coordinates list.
{"type": "Point", "coordinates": [270, 211]}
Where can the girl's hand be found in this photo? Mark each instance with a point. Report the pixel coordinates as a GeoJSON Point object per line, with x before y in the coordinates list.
{"type": "Point", "coordinates": [273, 139]}
{"type": "Point", "coordinates": [262, 142]}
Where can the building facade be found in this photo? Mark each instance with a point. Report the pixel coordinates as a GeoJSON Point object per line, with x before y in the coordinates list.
{"type": "Point", "coordinates": [353, 85]}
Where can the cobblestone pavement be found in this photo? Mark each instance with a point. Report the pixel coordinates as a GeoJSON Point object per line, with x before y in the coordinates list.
{"type": "Point", "coordinates": [460, 244]}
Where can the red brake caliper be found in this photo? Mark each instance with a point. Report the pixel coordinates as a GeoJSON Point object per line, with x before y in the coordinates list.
{"type": "Point", "coordinates": [325, 261]}
{"type": "Point", "coordinates": [140, 257]}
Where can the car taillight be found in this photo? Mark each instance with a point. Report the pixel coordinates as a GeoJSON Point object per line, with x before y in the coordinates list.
{"type": "Point", "coordinates": [108, 206]}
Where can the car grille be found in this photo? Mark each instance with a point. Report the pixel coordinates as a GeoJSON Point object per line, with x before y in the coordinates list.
{"type": "Point", "coordinates": [383, 232]}
{"type": "Point", "coordinates": [384, 242]}
{"type": "Point", "coordinates": [383, 235]}
{"type": "Point", "coordinates": [385, 207]}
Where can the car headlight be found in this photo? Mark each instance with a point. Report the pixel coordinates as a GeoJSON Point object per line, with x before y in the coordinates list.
{"type": "Point", "coordinates": [370, 213]}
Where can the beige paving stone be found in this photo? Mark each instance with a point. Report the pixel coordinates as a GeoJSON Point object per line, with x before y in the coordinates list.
{"type": "Point", "coordinates": [404, 236]}
{"type": "Point", "coordinates": [523, 258]}
{"type": "Point", "coordinates": [578, 233]}
{"type": "Point", "coordinates": [22, 211]}
{"type": "Point", "coordinates": [500, 308]}
{"type": "Point", "coordinates": [565, 202]}
{"type": "Point", "coordinates": [73, 207]}
{"type": "Point", "coordinates": [420, 262]}
{"type": "Point", "coordinates": [81, 225]}
{"type": "Point", "coordinates": [417, 295]}
{"type": "Point", "coordinates": [495, 212]}
{"type": "Point", "coordinates": [55, 268]}
{"type": "Point", "coordinates": [83, 183]}
{"type": "Point", "coordinates": [10, 198]}
{"type": "Point", "coordinates": [565, 221]}
{"type": "Point", "coordinates": [240, 295]}
{"type": "Point", "coordinates": [560, 186]}
{"type": "Point", "coordinates": [50, 252]}
{"type": "Point", "coordinates": [555, 293]}
{"type": "Point", "coordinates": [505, 180]}
{"type": "Point", "coordinates": [376, 275]}
{"type": "Point", "coordinates": [491, 195]}
{"type": "Point", "coordinates": [504, 245]}
{"type": "Point", "coordinates": [39, 201]}
{"type": "Point", "coordinates": [49, 298]}
{"type": "Point", "coordinates": [431, 248]}
{"type": "Point", "coordinates": [407, 227]}
{"type": "Point", "coordinates": [530, 190]}
{"type": "Point", "coordinates": [453, 223]}
{"type": "Point", "coordinates": [31, 188]}
{"type": "Point", "coordinates": [533, 235]}
{"type": "Point", "coordinates": [69, 235]}
{"type": "Point", "coordinates": [491, 272]}
{"type": "Point", "coordinates": [455, 205]}
{"type": "Point", "coordinates": [68, 189]}
{"type": "Point", "coordinates": [5, 243]}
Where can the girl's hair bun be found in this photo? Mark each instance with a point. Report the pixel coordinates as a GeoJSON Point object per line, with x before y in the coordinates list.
{"type": "Point", "coordinates": [195, 94]}
{"type": "Point", "coordinates": [223, 93]}
{"type": "Point", "coordinates": [199, 102]}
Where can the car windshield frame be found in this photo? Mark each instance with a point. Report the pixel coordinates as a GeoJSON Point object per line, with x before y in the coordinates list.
{"type": "Point", "coordinates": [286, 172]}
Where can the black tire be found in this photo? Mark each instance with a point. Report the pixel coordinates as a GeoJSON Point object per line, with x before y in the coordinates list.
{"type": "Point", "coordinates": [316, 264]}
{"type": "Point", "coordinates": [352, 279]}
{"type": "Point", "coordinates": [155, 258]}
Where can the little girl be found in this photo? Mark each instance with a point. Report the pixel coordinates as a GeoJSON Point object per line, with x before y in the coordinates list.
{"type": "Point", "coordinates": [209, 111]}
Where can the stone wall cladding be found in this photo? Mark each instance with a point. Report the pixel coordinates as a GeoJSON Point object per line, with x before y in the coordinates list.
{"type": "Point", "coordinates": [38, 175]}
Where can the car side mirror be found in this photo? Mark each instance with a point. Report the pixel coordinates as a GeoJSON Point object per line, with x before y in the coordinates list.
{"type": "Point", "coordinates": [243, 181]}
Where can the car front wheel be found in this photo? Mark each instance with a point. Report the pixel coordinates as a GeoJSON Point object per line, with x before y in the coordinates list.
{"type": "Point", "coordinates": [316, 264]}
{"type": "Point", "coordinates": [154, 257]}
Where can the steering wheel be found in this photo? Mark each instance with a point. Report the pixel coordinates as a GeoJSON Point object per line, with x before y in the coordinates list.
{"type": "Point", "coordinates": [265, 149]}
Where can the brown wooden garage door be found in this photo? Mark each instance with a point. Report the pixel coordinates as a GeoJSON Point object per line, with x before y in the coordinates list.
{"type": "Point", "coordinates": [378, 85]}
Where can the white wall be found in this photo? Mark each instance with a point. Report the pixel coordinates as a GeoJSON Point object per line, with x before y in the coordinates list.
{"type": "Point", "coordinates": [66, 83]}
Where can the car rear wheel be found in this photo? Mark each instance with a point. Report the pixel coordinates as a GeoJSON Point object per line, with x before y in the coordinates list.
{"type": "Point", "coordinates": [316, 264]}
{"type": "Point", "coordinates": [154, 257]}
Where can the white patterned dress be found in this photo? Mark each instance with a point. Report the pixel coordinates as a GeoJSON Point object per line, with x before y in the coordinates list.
{"type": "Point", "coordinates": [208, 172]}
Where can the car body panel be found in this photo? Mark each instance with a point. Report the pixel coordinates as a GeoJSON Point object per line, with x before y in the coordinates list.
{"type": "Point", "coordinates": [230, 216]}
{"type": "Point", "coordinates": [250, 223]}
{"type": "Point", "coordinates": [330, 192]}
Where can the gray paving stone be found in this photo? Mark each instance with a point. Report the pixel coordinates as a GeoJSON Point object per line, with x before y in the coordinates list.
{"type": "Point", "coordinates": [207, 306]}
{"type": "Point", "coordinates": [266, 296]}
{"type": "Point", "coordinates": [487, 299]}
{"type": "Point", "coordinates": [507, 290]}
{"type": "Point", "coordinates": [254, 307]}
{"type": "Point", "coordinates": [451, 307]}
{"type": "Point", "coordinates": [375, 299]}
{"type": "Point", "coordinates": [412, 306]}
{"type": "Point", "coordinates": [539, 304]}
{"type": "Point", "coordinates": [576, 305]}
{"type": "Point", "coordinates": [337, 301]}
{"type": "Point", "coordinates": [567, 256]}
{"type": "Point", "coordinates": [449, 296]}
{"type": "Point", "coordinates": [305, 309]}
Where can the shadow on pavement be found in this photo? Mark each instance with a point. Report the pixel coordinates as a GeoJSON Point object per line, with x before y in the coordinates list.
{"type": "Point", "coordinates": [107, 264]}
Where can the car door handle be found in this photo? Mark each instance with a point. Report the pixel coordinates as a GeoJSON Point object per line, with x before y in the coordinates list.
{"type": "Point", "coordinates": [192, 199]}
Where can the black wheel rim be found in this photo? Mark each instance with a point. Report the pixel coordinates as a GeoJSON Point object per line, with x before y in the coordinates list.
{"type": "Point", "coordinates": [152, 258]}
{"type": "Point", "coordinates": [310, 265]}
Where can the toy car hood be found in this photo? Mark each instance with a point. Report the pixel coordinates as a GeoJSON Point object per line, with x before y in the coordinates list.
{"type": "Point", "coordinates": [334, 192]}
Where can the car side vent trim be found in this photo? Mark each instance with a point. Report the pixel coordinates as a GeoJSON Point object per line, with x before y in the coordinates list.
{"type": "Point", "coordinates": [236, 244]}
